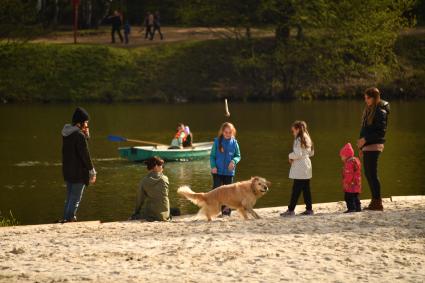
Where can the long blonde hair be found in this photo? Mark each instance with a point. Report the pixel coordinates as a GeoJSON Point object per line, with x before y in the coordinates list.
{"type": "Point", "coordinates": [303, 134]}
{"type": "Point", "coordinates": [220, 134]}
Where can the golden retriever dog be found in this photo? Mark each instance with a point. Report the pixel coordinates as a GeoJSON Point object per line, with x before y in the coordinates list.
{"type": "Point", "coordinates": [241, 196]}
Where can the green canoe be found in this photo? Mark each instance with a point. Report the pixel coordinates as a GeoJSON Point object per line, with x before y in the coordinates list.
{"type": "Point", "coordinates": [140, 153]}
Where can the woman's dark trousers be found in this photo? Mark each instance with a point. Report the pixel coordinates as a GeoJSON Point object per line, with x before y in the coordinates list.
{"type": "Point", "coordinates": [370, 164]}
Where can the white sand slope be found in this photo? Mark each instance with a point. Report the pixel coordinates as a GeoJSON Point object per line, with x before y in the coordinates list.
{"type": "Point", "coordinates": [330, 246]}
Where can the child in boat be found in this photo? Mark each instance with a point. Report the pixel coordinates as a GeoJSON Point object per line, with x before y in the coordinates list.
{"type": "Point", "coordinates": [152, 199]}
{"type": "Point", "coordinates": [189, 137]}
{"type": "Point", "coordinates": [351, 178]}
{"type": "Point", "coordinates": [301, 169]}
{"type": "Point", "coordinates": [225, 154]}
{"type": "Point", "coordinates": [179, 137]}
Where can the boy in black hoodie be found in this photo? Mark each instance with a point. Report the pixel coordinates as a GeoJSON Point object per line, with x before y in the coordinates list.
{"type": "Point", "coordinates": [77, 167]}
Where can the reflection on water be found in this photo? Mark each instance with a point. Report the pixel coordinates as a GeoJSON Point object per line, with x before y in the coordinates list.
{"type": "Point", "coordinates": [31, 182]}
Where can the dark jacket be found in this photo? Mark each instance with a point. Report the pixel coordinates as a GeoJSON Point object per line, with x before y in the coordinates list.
{"type": "Point", "coordinates": [76, 162]}
{"type": "Point", "coordinates": [375, 132]}
{"type": "Point", "coordinates": [116, 21]}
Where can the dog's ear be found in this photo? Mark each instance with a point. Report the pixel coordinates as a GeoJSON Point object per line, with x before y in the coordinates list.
{"type": "Point", "coordinates": [254, 179]}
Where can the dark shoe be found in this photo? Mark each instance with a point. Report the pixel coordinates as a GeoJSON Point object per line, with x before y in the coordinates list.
{"type": "Point", "coordinates": [135, 216]}
{"type": "Point", "coordinates": [307, 212]}
{"type": "Point", "coordinates": [349, 211]}
{"type": "Point", "coordinates": [287, 213]}
{"type": "Point", "coordinates": [376, 205]}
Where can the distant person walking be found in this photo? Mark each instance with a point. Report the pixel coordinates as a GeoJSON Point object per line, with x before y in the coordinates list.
{"type": "Point", "coordinates": [116, 22]}
{"type": "Point", "coordinates": [157, 26]}
{"type": "Point", "coordinates": [127, 30]}
{"type": "Point", "coordinates": [371, 142]}
{"type": "Point", "coordinates": [148, 23]}
{"type": "Point", "coordinates": [77, 166]}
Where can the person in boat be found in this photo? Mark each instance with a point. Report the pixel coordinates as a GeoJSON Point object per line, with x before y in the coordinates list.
{"type": "Point", "coordinates": [77, 166]}
{"type": "Point", "coordinates": [179, 138]}
{"type": "Point", "coordinates": [189, 137]}
{"type": "Point", "coordinates": [152, 202]}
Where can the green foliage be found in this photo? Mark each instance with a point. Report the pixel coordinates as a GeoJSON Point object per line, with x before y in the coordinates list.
{"type": "Point", "coordinates": [203, 71]}
{"type": "Point", "coordinates": [345, 41]}
{"type": "Point", "coordinates": [8, 220]}
{"type": "Point", "coordinates": [238, 16]}
{"type": "Point", "coordinates": [40, 72]}
{"type": "Point", "coordinates": [17, 20]}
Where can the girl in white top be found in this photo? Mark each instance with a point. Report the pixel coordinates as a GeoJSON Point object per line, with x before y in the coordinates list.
{"type": "Point", "coordinates": [301, 169]}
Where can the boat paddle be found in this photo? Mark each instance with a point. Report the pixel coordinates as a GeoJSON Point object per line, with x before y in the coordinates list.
{"type": "Point", "coordinates": [122, 139]}
{"type": "Point", "coordinates": [226, 109]}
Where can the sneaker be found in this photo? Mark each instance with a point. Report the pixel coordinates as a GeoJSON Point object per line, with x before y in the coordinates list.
{"type": "Point", "coordinates": [307, 212]}
{"type": "Point", "coordinates": [287, 213]}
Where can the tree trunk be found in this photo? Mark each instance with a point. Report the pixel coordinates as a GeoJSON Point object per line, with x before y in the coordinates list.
{"type": "Point", "coordinates": [104, 13]}
{"type": "Point", "coordinates": [248, 32]}
{"type": "Point", "coordinates": [300, 32]}
{"type": "Point", "coordinates": [39, 5]}
{"type": "Point", "coordinates": [56, 13]}
{"type": "Point", "coordinates": [89, 13]}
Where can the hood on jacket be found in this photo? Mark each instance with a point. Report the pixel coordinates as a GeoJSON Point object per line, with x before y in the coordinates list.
{"type": "Point", "coordinates": [69, 129]}
{"type": "Point", "coordinates": [347, 151]}
{"type": "Point", "coordinates": [385, 105]}
{"type": "Point", "coordinates": [154, 178]}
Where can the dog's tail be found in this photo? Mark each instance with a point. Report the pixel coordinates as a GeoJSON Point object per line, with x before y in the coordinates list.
{"type": "Point", "coordinates": [196, 198]}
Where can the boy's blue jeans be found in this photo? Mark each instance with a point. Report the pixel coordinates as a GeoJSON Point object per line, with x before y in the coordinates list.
{"type": "Point", "coordinates": [73, 198]}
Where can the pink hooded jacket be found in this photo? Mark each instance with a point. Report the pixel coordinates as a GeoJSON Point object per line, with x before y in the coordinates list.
{"type": "Point", "coordinates": [351, 172]}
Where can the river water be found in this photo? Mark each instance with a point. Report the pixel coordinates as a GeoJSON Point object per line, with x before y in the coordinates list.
{"type": "Point", "coordinates": [31, 184]}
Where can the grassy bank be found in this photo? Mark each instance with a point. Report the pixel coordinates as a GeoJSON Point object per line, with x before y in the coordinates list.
{"type": "Point", "coordinates": [8, 220]}
{"type": "Point", "coordinates": [192, 70]}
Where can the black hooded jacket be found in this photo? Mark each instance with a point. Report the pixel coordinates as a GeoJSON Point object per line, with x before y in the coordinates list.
{"type": "Point", "coordinates": [76, 161]}
{"type": "Point", "coordinates": [375, 132]}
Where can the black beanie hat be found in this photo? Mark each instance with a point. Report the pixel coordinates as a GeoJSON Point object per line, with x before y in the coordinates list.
{"type": "Point", "coordinates": [80, 115]}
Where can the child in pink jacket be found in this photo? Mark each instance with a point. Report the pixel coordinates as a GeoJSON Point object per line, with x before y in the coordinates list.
{"type": "Point", "coordinates": [351, 178]}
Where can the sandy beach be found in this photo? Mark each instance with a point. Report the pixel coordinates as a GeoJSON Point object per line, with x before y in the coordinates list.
{"type": "Point", "coordinates": [384, 246]}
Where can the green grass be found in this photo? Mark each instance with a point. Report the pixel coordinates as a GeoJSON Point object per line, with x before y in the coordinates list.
{"type": "Point", "coordinates": [8, 220]}
{"type": "Point", "coordinates": [191, 70]}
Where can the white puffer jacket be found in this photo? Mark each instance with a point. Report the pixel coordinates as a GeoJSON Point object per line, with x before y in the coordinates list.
{"type": "Point", "coordinates": [301, 168]}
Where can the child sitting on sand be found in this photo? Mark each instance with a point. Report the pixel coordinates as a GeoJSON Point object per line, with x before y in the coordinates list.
{"type": "Point", "coordinates": [351, 178]}
{"type": "Point", "coordinates": [152, 199]}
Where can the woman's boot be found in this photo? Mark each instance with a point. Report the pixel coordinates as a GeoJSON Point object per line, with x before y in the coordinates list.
{"type": "Point", "coordinates": [375, 204]}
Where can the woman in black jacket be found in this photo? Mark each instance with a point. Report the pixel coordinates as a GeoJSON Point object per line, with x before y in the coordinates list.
{"type": "Point", "coordinates": [371, 142]}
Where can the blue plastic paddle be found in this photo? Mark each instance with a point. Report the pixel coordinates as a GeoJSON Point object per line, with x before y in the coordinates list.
{"type": "Point", "coordinates": [122, 139]}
